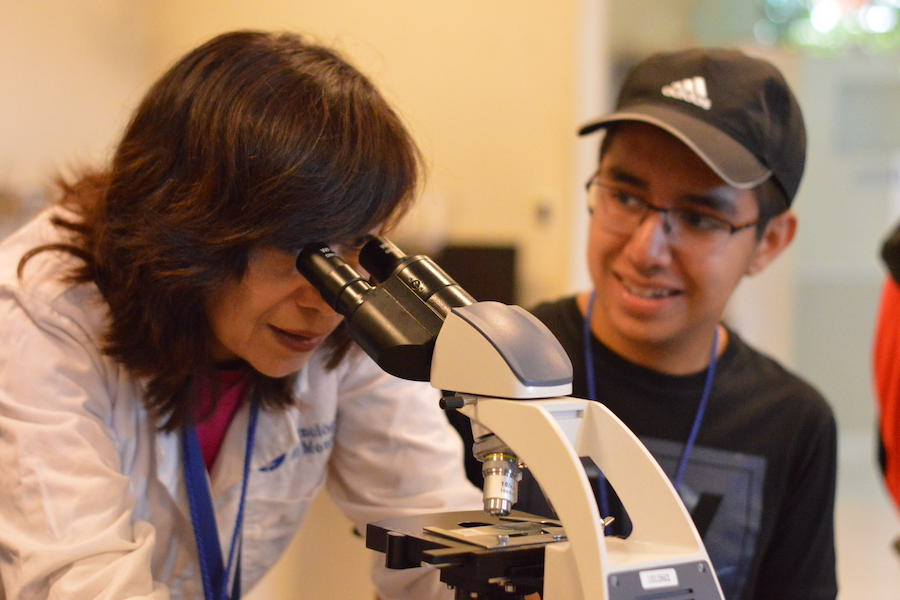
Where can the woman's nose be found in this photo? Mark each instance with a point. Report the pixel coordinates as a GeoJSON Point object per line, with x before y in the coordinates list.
{"type": "Point", "coordinates": [307, 296]}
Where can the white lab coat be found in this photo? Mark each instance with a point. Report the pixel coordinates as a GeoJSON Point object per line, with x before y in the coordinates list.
{"type": "Point", "coordinates": [92, 498]}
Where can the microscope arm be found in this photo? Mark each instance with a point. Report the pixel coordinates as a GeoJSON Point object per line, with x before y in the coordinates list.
{"type": "Point", "coordinates": [549, 436]}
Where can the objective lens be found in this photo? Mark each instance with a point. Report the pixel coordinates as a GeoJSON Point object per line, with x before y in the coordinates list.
{"type": "Point", "coordinates": [501, 482]}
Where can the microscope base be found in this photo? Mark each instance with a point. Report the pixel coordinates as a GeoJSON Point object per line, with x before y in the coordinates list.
{"type": "Point", "coordinates": [503, 558]}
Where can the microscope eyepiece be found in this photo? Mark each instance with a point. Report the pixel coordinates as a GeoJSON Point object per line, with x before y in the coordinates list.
{"type": "Point", "coordinates": [396, 318]}
{"type": "Point", "coordinates": [340, 285]}
{"type": "Point", "coordinates": [419, 274]}
{"type": "Point", "coordinates": [381, 258]}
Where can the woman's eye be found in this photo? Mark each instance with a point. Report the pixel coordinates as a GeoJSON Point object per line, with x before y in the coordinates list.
{"type": "Point", "coordinates": [359, 242]}
{"type": "Point", "coordinates": [349, 250]}
{"type": "Point", "coordinates": [352, 245]}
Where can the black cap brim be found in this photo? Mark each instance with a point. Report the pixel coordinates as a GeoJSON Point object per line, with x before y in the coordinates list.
{"type": "Point", "coordinates": [724, 155]}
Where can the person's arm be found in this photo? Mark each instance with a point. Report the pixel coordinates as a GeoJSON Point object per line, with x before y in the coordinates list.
{"type": "Point", "coordinates": [395, 455]}
{"type": "Point", "coordinates": [890, 254]}
{"type": "Point", "coordinates": [66, 526]}
{"type": "Point", "coordinates": [800, 562]}
{"type": "Point", "coordinates": [886, 367]}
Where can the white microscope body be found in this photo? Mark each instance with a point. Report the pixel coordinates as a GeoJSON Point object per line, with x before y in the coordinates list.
{"type": "Point", "coordinates": [506, 371]}
{"type": "Point", "coordinates": [549, 433]}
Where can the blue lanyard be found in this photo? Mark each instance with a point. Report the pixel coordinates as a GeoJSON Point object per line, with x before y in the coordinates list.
{"type": "Point", "coordinates": [587, 338]}
{"type": "Point", "coordinates": [203, 517]}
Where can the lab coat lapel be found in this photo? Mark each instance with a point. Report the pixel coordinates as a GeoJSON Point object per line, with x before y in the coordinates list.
{"type": "Point", "coordinates": [170, 469]}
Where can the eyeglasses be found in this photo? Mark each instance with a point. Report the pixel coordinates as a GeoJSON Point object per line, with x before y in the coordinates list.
{"type": "Point", "coordinates": [695, 229]}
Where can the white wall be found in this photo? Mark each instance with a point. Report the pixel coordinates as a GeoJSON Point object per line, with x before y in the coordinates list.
{"type": "Point", "coordinates": [69, 76]}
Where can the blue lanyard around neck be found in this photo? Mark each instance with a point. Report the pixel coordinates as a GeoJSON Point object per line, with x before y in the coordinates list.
{"type": "Point", "coordinates": [587, 338]}
{"type": "Point", "coordinates": [203, 517]}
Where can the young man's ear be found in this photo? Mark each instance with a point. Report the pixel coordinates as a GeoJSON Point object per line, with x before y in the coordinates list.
{"type": "Point", "coordinates": [777, 236]}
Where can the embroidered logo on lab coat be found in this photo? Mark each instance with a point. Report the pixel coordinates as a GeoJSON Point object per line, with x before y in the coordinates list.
{"type": "Point", "coordinates": [317, 438]}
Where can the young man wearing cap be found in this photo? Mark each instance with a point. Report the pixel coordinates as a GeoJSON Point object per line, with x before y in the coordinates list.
{"type": "Point", "coordinates": [698, 168]}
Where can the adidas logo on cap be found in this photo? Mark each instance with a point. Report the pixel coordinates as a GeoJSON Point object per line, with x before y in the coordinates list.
{"type": "Point", "coordinates": [690, 89]}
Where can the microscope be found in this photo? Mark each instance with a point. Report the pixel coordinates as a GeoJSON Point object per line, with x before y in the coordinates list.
{"type": "Point", "coordinates": [505, 371]}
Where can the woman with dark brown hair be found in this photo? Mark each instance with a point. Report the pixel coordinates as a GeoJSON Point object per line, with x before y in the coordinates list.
{"type": "Point", "coordinates": [156, 308]}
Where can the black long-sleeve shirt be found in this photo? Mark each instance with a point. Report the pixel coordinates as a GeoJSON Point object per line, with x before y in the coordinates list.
{"type": "Point", "coordinates": [760, 483]}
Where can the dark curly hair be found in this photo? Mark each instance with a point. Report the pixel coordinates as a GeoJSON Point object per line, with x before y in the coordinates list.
{"type": "Point", "coordinates": [251, 139]}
